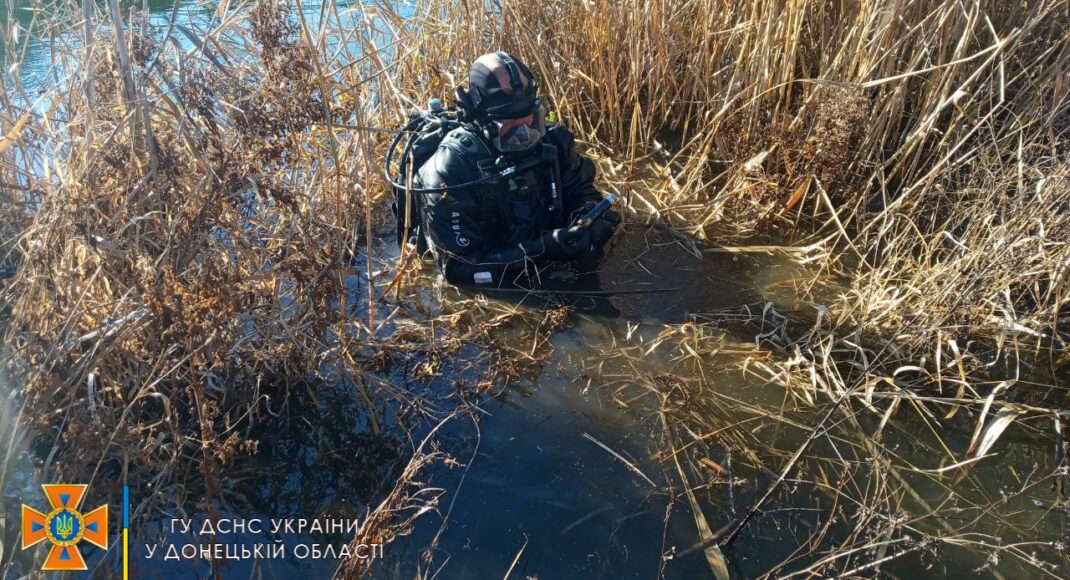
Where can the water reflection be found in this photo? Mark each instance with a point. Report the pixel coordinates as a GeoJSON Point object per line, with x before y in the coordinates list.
{"type": "Point", "coordinates": [542, 480]}
{"type": "Point", "coordinates": [28, 53]}
{"type": "Point", "coordinates": [570, 476]}
{"type": "Point", "coordinates": [651, 275]}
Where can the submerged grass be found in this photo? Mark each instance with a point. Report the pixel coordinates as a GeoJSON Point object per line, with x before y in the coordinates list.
{"type": "Point", "coordinates": [188, 215]}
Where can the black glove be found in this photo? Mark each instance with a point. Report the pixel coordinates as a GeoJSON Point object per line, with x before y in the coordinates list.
{"type": "Point", "coordinates": [602, 228]}
{"type": "Point", "coordinates": [562, 244]}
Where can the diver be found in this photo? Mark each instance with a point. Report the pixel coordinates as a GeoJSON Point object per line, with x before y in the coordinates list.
{"type": "Point", "coordinates": [502, 192]}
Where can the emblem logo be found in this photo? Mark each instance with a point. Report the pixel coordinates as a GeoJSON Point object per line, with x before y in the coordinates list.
{"type": "Point", "coordinates": [64, 526]}
{"type": "Point", "coordinates": [462, 241]}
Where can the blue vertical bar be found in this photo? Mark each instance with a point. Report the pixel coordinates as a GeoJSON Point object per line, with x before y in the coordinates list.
{"type": "Point", "coordinates": [126, 507]}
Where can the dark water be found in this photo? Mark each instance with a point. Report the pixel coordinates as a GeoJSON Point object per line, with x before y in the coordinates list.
{"type": "Point", "coordinates": [535, 483]}
{"type": "Point", "coordinates": [540, 484]}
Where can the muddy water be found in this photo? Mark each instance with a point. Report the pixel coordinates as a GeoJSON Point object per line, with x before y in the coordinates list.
{"type": "Point", "coordinates": [565, 472]}
{"type": "Point", "coordinates": [540, 480]}
{"type": "Point", "coordinates": [566, 476]}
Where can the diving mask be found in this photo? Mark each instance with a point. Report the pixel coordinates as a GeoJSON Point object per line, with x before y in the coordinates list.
{"type": "Point", "coordinates": [507, 138]}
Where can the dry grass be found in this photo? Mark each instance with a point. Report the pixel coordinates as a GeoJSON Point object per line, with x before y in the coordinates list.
{"type": "Point", "coordinates": [921, 144]}
{"type": "Point", "coordinates": [178, 256]}
{"type": "Point", "coordinates": [184, 209]}
{"type": "Point", "coordinates": [768, 97]}
{"type": "Point", "coordinates": [184, 227]}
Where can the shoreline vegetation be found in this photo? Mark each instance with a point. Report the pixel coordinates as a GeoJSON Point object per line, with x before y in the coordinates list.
{"type": "Point", "coordinates": [190, 217]}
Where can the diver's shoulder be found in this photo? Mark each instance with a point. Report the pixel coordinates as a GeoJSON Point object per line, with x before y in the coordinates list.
{"type": "Point", "coordinates": [456, 160]}
{"type": "Point", "coordinates": [465, 141]}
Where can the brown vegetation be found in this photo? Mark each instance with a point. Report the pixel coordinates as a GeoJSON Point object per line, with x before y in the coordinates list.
{"type": "Point", "coordinates": [184, 224]}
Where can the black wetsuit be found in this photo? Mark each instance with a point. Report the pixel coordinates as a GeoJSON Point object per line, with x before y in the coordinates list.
{"type": "Point", "coordinates": [485, 234]}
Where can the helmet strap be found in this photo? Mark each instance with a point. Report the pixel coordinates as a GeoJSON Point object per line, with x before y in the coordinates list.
{"type": "Point", "coordinates": [467, 105]}
{"type": "Point", "coordinates": [515, 83]}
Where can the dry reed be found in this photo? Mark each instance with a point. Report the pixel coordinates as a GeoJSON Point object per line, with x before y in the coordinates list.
{"type": "Point", "coordinates": [183, 218]}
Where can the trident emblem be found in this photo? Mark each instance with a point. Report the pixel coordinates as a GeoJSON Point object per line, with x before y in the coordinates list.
{"type": "Point", "coordinates": [64, 526]}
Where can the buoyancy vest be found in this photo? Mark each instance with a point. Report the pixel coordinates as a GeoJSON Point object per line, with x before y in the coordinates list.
{"type": "Point", "coordinates": [520, 206]}
{"type": "Point", "coordinates": [519, 197]}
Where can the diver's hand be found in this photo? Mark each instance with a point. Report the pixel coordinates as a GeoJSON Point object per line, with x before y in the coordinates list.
{"type": "Point", "coordinates": [602, 228]}
{"type": "Point", "coordinates": [562, 244]}
{"type": "Point", "coordinates": [567, 243]}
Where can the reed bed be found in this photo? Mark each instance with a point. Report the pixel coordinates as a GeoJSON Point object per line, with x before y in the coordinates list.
{"type": "Point", "coordinates": [181, 222]}
{"type": "Point", "coordinates": [174, 258]}
{"type": "Point", "coordinates": [912, 154]}
{"type": "Point", "coordinates": [189, 214]}
{"type": "Point", "coordinates": [760, 101]}
{"type": "Point", "coordinates": [781, 483]}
